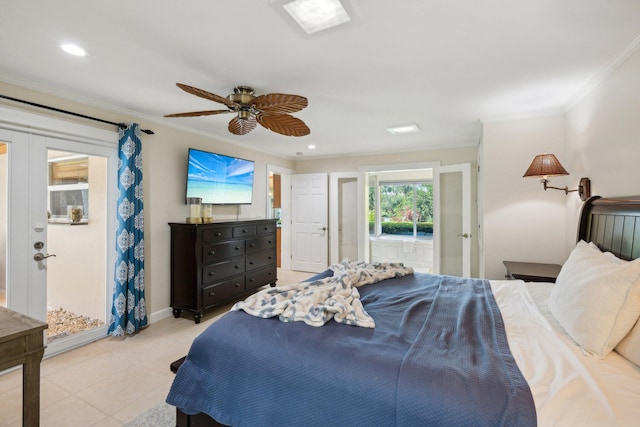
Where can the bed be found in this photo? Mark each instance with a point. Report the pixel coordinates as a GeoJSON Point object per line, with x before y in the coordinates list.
{"type": "Point", "coordinates": [514, 353]}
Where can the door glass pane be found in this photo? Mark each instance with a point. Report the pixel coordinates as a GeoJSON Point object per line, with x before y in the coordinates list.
{"type": "Point", "coordinates": [401, 218]}
{"type": "Point", "coordinates": [347, 219]}
{"type": "Point", "coordinates": [406, 209]}
{"type": "Point", "coordinates": [451, 224]}
{"type": "Point", "coordinates": [3, 222]}
{"type": "Point", "coordinates": [76, 234]}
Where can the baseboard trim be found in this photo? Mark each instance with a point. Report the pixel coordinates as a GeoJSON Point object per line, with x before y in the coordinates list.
{"type": "Point", "coordinates": [156, 316]}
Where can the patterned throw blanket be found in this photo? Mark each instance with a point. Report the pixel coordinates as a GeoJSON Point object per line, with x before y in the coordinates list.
{"type": "Point", "coordinates": [315, 303]}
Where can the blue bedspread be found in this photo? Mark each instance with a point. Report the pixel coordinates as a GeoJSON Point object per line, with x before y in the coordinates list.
{"type": "Point", "coordinates": [437, 356]}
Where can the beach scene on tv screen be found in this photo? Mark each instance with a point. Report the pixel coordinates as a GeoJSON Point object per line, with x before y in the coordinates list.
{"type": "Point", "coordinates": [219, 179]}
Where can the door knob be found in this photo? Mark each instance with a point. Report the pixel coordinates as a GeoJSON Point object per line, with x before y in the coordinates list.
{"type": "Point", "coordinates": [465, 235]}
{"type": "Point", "coordinates": [39, 256]}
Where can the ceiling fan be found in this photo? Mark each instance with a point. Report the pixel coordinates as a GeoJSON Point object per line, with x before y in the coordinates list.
{"type": "Point", "coordinates": [270, 110]}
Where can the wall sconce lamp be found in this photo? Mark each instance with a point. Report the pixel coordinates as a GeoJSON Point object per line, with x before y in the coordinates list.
{"type": "Point", "coordinates": [545, 165]}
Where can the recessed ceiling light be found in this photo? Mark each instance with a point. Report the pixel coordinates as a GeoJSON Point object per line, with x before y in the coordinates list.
{"type": "Point", "coordinates": [398, 130]}
{"type": "Point", "coordinates": [311, 147]}
{"type": "Point", "coordinates": [73, 49]}
{"type": "Point", "coordinates": [317, 15]}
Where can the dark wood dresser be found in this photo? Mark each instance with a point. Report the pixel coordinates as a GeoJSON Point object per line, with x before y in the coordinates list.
{"type": "Point", "coordinates": [214, 263]}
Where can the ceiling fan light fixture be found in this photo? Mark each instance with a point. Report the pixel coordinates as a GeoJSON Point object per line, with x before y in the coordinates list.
{"type": "Point", "coordinates": [403, 129]}
{"type": "Point", "coordinates": [317, 15]}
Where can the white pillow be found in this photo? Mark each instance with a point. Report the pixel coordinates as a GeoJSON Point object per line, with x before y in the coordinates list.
{"type": "Point", "coordinates": [596, 298]}
{"type": "Point", "coordinates": [629, 347]}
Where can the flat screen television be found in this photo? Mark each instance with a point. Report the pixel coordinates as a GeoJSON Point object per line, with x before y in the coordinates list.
{"type": "Point", "coordinates": [218, 179]}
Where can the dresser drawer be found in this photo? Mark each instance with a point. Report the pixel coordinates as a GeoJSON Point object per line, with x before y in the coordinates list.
{"type": "Point", "coordinates": [222, 270]}
{"type": "Point", "coordinates": [267, 228]}
{"type": "Point", "coordinates": [260, 259]}
{"type": "Point", "coordinates": [216, 234]}
{"type": "Point", "coordinates": [223, 250]}
{"type": "Point", "coordinates": [244, 231]}
{"type": "Point", "coordinates": [258, 244]}
{"type": "Point", "coordinates": [219, 292]}
{"type": "Point", "coordinates": [262, 277]}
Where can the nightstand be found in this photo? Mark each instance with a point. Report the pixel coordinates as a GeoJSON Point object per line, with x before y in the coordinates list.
{"type": "Point", "coordinates": [532, 271]}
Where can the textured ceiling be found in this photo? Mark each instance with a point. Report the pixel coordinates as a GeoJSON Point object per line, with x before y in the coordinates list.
{"type": "Point", "coordinates": [443, 65]}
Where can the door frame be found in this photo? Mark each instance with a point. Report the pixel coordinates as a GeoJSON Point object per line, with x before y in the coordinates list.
{"type": "Point", "coordinates": [285, 219]}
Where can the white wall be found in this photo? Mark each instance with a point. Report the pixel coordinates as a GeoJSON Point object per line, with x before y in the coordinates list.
{"type": "Point", "coordinates": [603, 135]}
{"type": "Point", "coordinates": [522, 222]}
{"type": "Point", "coordinates": [598, 138]}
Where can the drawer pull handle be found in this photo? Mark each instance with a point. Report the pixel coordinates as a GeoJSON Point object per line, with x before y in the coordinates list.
{"type": "Point", "coordinates": [244, 230]}
{"type": "Point", "coordinates": [218, 234]}
{"type": "Point", "coordinates": [251, 280]}
{"type": "Point", "coordinates": [237, 285]}
{"type": "Point", "coordinates": [269, 241]}
{"type": "Point", "coordinates": [237, 266]}
{"type": "Point", "coordinates": [212, 294]}
{"type": "Point", "coordinates": [212, 252]}
{"type": "Point", "coordinates": [251, 262]}
{"type": "Point", "coordinates": [252, 245]}
{"type": "Point", "coordinates": [211, 273]}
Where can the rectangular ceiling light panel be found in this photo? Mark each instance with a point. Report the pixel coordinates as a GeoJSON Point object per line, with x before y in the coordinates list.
{"type": "Point", "coordinates": [399, 130]}
{"type": "Point", "coordinates": [317, 15]}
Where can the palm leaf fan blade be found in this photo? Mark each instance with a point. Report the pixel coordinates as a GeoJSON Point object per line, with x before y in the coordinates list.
{"type": "Point", "coordinates": [199, 113]}
{"type": "Point", "coordinates": [280, 103]}
{"type": "Point", "coordinates": [283, 124]}
{"type": "Point", "coordinates": [240, 126]}
{"type": "Point", "coordinates": [207, 95]}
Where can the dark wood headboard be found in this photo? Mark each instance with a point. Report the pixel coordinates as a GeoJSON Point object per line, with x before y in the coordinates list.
{"type": "Point", "coordinates": [613, 224]}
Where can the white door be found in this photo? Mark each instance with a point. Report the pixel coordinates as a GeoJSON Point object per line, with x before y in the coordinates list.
{"type": "Point", "coordinates": [309, 222]}
{"type": "Point", "coordinates": [453, 220]}
{"type": "Point", "coordinates": [28, 227]}
{"type": "Point", "coordinates": [24, 279]}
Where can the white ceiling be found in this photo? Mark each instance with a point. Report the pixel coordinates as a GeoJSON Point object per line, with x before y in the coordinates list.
{"type": "Point", "coordinates": [443, 65]}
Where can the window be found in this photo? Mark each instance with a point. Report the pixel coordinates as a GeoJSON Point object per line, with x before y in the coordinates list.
{"type": "Point", "coordinates": [401, 208]}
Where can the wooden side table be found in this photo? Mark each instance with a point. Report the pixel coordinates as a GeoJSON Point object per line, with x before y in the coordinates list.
{"type": "Point", "coordinates": [532, 271]}
{"type": "Point", "coordinates": [22, 343]}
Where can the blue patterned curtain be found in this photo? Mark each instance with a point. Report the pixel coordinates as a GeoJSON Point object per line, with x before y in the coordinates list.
{"type": "Point", "coordinates": [128, 313]}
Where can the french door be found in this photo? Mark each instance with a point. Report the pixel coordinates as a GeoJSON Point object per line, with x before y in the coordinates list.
{"type": "Point", "coordinates": [57, 239]}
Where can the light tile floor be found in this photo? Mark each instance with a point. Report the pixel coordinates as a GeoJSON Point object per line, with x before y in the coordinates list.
{"type": "Point", "coordinates": [111, 381]}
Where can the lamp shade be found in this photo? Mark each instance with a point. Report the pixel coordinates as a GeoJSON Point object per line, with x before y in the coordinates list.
{"type": "Point", "coordinates": [545, 165]}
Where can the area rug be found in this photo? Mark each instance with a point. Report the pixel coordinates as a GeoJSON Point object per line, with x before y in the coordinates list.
{"type": "Point", "coordinates": [161, 415]}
